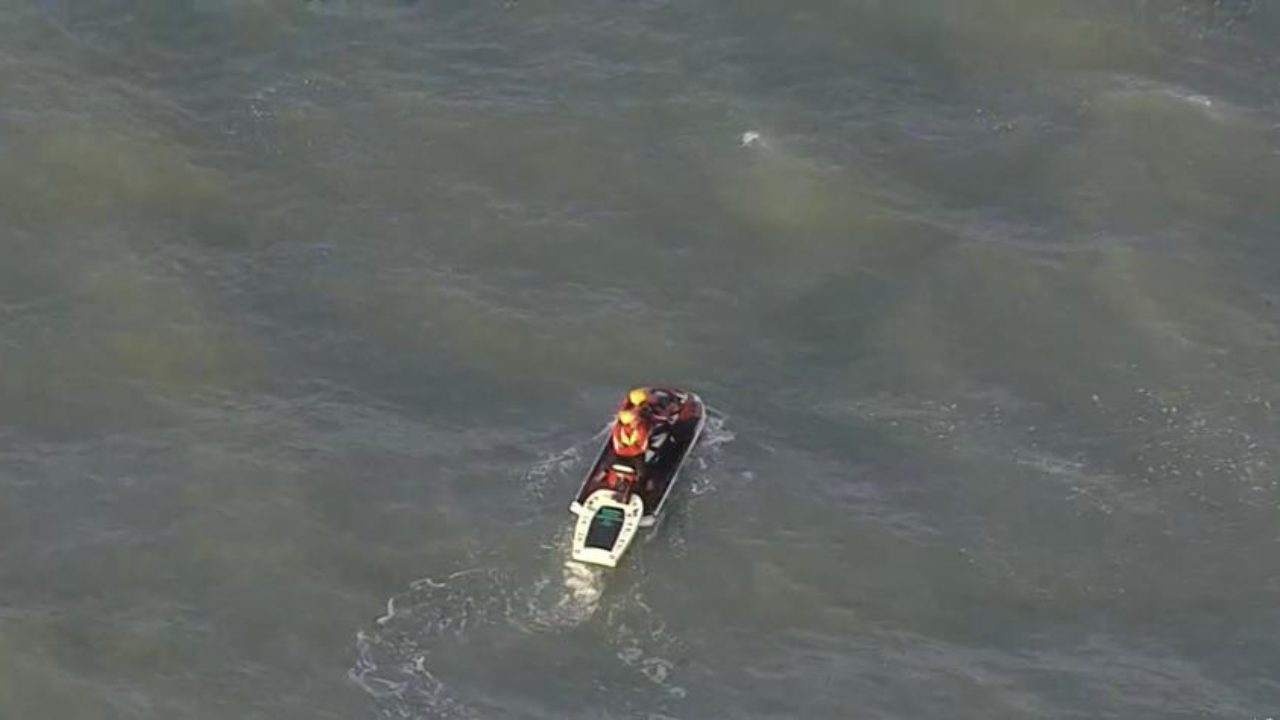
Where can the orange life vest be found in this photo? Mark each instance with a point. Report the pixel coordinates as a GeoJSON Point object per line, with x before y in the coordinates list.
{"type": "Point", "coordinates": [629, 441]}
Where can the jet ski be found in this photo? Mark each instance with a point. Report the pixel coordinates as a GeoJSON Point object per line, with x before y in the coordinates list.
{"type": "Point", "coordinates": [627, 487]}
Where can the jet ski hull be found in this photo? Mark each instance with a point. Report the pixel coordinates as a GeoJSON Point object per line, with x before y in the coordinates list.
{"type": "Point", "coordinates": [658, 470]}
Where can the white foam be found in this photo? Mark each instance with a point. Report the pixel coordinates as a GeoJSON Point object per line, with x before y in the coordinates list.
{"type": "Point", "coordinates": [566, 600]}
{"type": "Point", "coordinates": [439, 616]}
{"type": "Point", "coordinates": [715, 435]}
{"type": "Point", "coordinates": [555, 465]}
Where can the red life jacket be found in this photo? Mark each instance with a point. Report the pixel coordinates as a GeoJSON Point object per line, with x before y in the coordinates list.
{"type": "Point", "coordinates": [616, 478]}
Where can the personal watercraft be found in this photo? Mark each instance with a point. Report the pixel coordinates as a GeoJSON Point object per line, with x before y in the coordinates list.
{"type": "Point", "coordinates": [624, 490]}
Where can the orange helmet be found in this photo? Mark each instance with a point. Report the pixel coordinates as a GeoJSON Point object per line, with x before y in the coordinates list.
{"type": "Point", "coordinates": [637, 396]}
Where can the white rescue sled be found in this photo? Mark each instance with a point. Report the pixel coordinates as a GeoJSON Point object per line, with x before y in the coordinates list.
{"type": "Point", "coordinates": [605, 528]}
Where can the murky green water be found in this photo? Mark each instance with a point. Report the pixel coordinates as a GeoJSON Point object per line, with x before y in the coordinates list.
{"type": "Point", "coordinates": [310, 312]}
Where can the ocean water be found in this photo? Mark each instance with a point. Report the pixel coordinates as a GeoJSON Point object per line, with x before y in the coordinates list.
{"type": "Point", "coordinates": [312, 311]}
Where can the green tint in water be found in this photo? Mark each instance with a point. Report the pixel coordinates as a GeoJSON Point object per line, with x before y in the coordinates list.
{"type": "Point", "coordinates": [293, 295]}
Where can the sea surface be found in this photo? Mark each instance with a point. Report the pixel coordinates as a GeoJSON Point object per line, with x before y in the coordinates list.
{"type": "Point", "coordinates": [312, 313]}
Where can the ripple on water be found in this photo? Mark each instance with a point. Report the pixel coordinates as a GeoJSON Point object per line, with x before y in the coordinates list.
{"type": "Point", "coordinates": [435, 650]}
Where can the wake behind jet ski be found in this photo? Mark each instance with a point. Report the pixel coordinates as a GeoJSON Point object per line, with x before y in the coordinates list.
{"type": "Point", "coordinates": [626, 488]}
